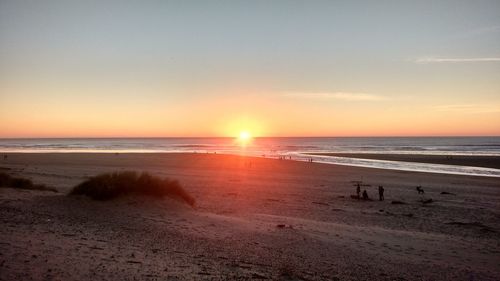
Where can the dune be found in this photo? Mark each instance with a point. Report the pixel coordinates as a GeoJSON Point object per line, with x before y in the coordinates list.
{"type": "Point", "coordinates": [129, 183]}
{"type": "Point", "coordinates": [254, 218]}
{"type": "Point", "coordinates": [9, 181]}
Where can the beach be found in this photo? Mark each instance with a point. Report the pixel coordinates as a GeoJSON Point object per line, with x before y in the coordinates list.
{"type": "Point", "coordinates": [254, 218]}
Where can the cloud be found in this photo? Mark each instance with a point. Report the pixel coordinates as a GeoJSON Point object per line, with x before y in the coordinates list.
{"type": "Point", "coordinates": [345, 96]}
{"type": "Point", "coordinates": [455, 60]}
{"type": "Point", "coordinates": [468, 108]}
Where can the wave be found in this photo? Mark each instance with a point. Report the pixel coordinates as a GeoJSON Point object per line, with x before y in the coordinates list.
{"type": "Point", "coordinates": [402, 166]}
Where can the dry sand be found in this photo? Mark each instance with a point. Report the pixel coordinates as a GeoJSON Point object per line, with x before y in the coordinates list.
{"type": "Point", "coordinates": [254, 219]}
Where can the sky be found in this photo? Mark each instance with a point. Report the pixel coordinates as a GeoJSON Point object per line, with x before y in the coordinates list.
{"type": "Point", "coordinates": [272, 68]}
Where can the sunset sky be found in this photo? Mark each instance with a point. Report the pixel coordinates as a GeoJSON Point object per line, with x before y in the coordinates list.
{"type": "Point", "coordinates": [272, 68]}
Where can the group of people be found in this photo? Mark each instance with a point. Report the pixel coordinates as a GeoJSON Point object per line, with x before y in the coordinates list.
{"type": "Point", "coordinates": [364, 195]}
{"type": "Point", "coordinates": [381, 190]}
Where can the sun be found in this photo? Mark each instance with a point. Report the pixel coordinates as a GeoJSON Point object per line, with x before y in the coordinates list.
{"type": "Point", "coordinates": [244, 139]}
{"type": "Point", "coordinates": [245, 136]}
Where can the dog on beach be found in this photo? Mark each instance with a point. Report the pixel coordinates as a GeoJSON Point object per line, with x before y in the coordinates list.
{"type": "Point", "coordinates": [420, 190]}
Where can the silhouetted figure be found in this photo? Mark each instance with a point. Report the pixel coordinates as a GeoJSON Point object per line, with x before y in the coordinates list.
{"type": "Point", "coordinates": [420, 190]}
{"type": "Point", "coordinates": [5, 157]}
{"type": "Point", "coordinates": [358, 189]}
{"type": "Point", "coordinates": [365, 195]}
{"type": "Point", "coordinates": [380, 193]}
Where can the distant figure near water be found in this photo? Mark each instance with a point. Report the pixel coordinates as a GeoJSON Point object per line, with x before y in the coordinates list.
{"type": "Point", "coordinates": [420, 190]}
{"type": "Point", "coordinates": [380, 193]}
{"type": "Point", "coordinates": [358, 189]}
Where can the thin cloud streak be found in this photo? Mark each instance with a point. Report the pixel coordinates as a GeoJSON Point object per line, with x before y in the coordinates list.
{"type": "Point", "coordinates": [455, 60]}
{"type": "Point", "coordinates": [468, 108]}
{"type": "Point", "coordinates": [345, 96]}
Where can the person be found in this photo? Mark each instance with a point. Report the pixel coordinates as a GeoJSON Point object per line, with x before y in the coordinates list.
{"type": "Point", "coordinates": [381, 193]}
{"type": "Point", "coordinates": [358, 189]}
{"type": "Point", "coordinates": [365, 195]}
{"type": "Point", "coordinates": [420, 190]}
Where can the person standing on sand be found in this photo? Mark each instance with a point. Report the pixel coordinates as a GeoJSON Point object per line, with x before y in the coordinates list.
{"type": "Point", "coordinates": [380, 193]}
{"type": "Point", "coordinates": [365, 195]}
{"type": "Point", "coordinates": [358, 189]}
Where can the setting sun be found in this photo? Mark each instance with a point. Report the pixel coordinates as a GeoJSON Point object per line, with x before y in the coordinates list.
{"type": "Point", "coordinates": [245, 136]}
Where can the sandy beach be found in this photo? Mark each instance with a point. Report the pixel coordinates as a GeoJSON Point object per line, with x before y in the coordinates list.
{"type": "Point", "coordinates": [462, 160]}
{"type": "Point", "coordinates": [254, 218]}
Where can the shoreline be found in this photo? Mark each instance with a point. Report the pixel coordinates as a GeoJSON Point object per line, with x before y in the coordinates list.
{"type": "Point", "coordinates": [479, 171]}
{"type": "Point", "coordinates": [492, 162]}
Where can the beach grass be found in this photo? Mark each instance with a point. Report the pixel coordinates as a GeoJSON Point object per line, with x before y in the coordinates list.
{"type": "Point", "coordinates": [108, 186]}
{"type": "Point", "coordinates": [7, 180]}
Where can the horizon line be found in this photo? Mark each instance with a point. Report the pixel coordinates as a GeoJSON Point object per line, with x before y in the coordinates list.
{"type": "Point", "coordinates": [259, 137]}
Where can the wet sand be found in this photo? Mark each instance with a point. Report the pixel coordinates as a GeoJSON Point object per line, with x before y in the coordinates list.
{"type": "Point", "coordinates": [254, 218]}
{"type": "Point", "coordinates": [462, 160]}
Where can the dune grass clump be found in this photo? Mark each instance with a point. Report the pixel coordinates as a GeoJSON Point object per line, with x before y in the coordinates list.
{"type": "Point", "coordinates": [112, 185]}
{"type": "Point", "coordinates": [22, 183]}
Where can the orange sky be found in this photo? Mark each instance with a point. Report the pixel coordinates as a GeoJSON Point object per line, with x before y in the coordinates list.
{"type": "Point", "coordinates": [229, 116]}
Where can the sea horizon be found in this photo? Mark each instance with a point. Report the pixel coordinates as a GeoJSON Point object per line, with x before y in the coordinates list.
{"type": "Point", "coordinates": [253, 137]}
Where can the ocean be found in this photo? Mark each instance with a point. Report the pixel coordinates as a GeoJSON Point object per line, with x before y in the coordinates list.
{"type": "Point", "coordinates": [295, 147]}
